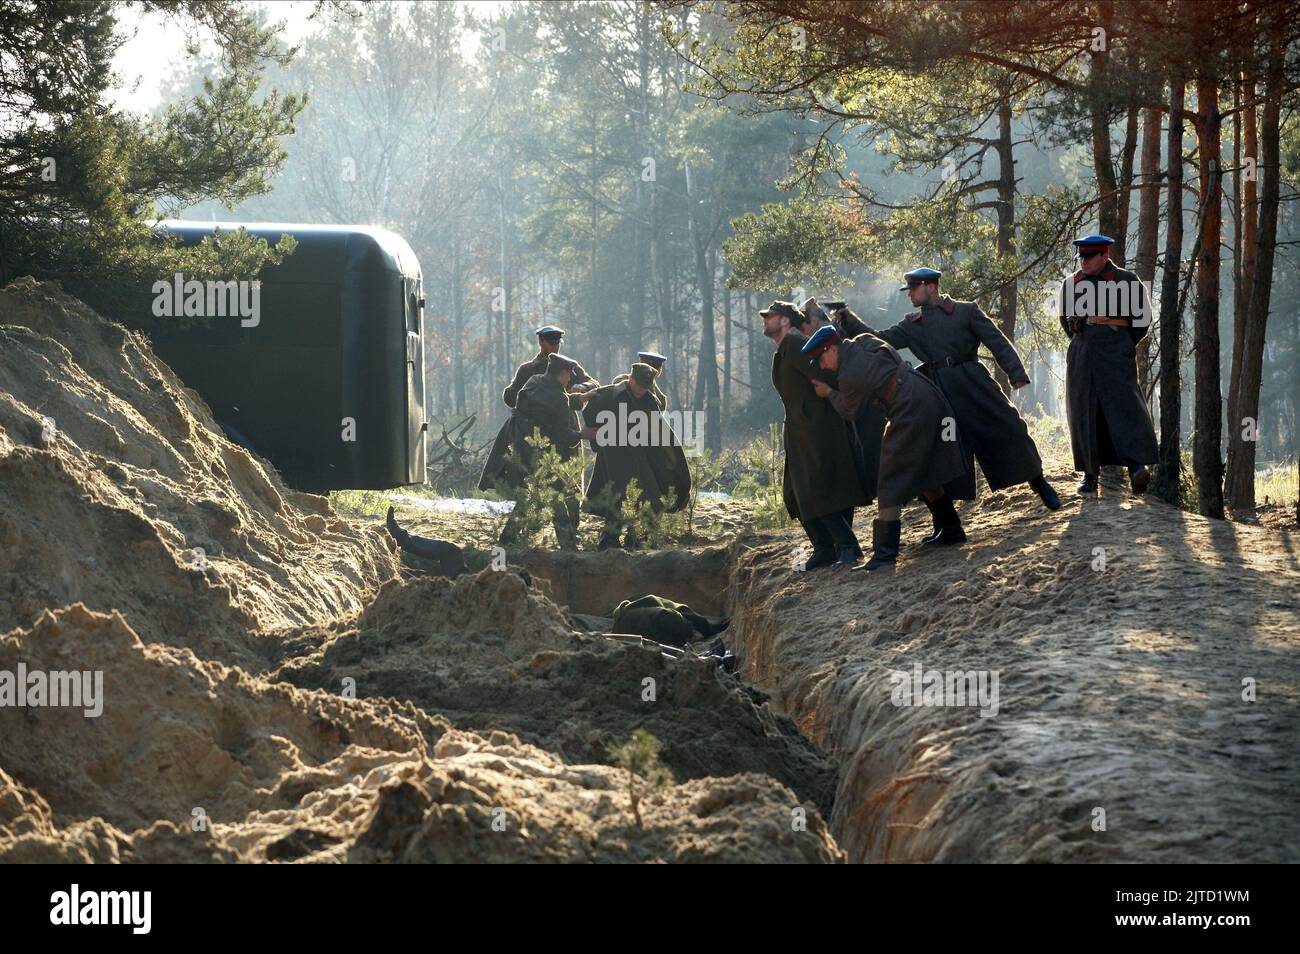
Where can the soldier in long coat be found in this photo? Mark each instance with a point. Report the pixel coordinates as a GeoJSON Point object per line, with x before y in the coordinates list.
{"type": "Point", "coordinates": [1106, 310]}
{"type": "Point", "coordinates": [820, 484]}
{"type": "Point", "coordinates": [946, 334]}
{"type": "Point", "coordinates": [632, 442]}
{"type": "Point", "coordinates": [657, 362]}
{"type": "Point", "coordinates": [915, 458]}
{"type": "Point", "coordinates": [548, 343]}
{"type": "Point", "coordinates": [868, 428]}
{"type": "Point", "coordinates": [545, 406]}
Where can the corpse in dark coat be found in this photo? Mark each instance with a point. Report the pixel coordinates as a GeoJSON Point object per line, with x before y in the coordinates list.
{"type": "Point", "coordinates": [533, 367]}
{"type": "Point", "coordinates": [1109, 420]}
{"type": "Point", "coordinates": [542, 404]}
{"type": "Point", "coordinates": [946, 336]}
{"type": "Point", "coordinates": [656, 459]}
{"type": "Point", "coordinates": [913, 455]}
{"type": "Point", "coordinates": [821, 474]}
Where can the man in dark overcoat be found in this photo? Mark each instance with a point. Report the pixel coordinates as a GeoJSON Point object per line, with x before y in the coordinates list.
{"type": "Point", "coordinates": [916, 456]}
{"type": "Point", "coordinates": [548, 343]}
{"type": "Point", "coordinates": [868, 428]}
{"type": "Point", "coordinates": [633, 442]}
{"type": "Point", "coordinates": [946, 334]}
{"type": "Point", "coordinates": [1106, 310]}
{"type": "Point", "coordinates": [544, 406]}
{"type": "Point", "coordinates": [820, 485]}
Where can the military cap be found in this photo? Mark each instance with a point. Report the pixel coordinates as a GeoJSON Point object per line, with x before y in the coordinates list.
{"type": "Point", "coordinates": [1093, 243]}
{"type": "Point", "coordinates": [643, 374]}
{"type": "Point", "coordinates": [919, 276]}
{"type": "Point", "coordinates": [652, 358]}
{"type": "Point", "coordinates": [787, 308]}
{"type": "Point", "coordinates": [557, 364]}
{"type": "Point", "coordinates": [821, 339]}
{"type": "Point", "coordinates": [549, 332]}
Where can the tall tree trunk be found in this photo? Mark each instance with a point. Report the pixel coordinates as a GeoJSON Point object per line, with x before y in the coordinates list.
{"type": "Point", "coordinates": [1207, 461]}
{"type": "Point", "coordinates": [457, 318]}
{"type": "Point", "coordinates": [1148, 234]}
{"type": "Point", "coordinates": [1006, 225]}
{"type": "Point", "coordinates": [706, 382]}
{"type": "Point", "coordinates": [641, 235]}
{"type": "Point", "coordinates": [1169, 472]}
{"type": "Point", "coordinates": [726, 353]}
{"type": "Point", "coordinates": [1244, 259]}
{"type": "Point", "coordinates": [754, 363]}
{"type": "Point", "coordinates": [1246, 387]}
{"type": "Point", "coordinates": [1099, 108]}
{"type": "Point", "coordinates": [1119, 251]}
{"type": "Point", "coordinates": [506, 291]}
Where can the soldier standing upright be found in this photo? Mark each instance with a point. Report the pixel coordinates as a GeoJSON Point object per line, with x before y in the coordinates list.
{"type": "Point", "coordinates": [548, 343]}
{"type": "Point", "coordinates": [1106, 310]}
{"type": "Point", "coordinates": [820, 484]}
{"type": "Point", "coordinates": [946, 335]}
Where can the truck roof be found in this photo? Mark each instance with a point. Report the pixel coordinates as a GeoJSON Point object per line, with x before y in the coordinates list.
{"type": "Point", "coordinates": [322, 249]}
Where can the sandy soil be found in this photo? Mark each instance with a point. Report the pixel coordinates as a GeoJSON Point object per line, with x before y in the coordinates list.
{"type": "Point", "coordinates": [1121, 688]}
{"type": "Point", "coordinates": [290, 698]}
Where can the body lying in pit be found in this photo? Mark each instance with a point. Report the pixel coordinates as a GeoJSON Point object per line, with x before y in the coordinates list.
{"type": "Point", "coordinates": [664, 621]}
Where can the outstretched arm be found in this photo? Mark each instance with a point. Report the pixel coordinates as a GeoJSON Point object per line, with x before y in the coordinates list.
{"type": "Point", "coordinates": [1004, 352]}
{"type": "Point", "coordinates": [898, 336]}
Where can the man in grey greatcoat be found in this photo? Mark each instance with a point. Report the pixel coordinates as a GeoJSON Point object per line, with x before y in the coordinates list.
{"type": "Point", "coordinates": [946, 334]}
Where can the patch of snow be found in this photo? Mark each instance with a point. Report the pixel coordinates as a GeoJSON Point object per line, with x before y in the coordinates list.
{"type": "Point", "coordinates": [468, 505]}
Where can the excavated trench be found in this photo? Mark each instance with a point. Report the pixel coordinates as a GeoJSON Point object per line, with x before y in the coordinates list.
{"type": "Point", "coordinates": [714, 581]}
{"type": "Point", "coordinates": [1116, 716]}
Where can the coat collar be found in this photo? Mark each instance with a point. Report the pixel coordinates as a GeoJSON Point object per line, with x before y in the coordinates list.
{"type": "Point", "coordinates": [945, 303]}
{"type": "Point", "coordinates": [1109, 273]}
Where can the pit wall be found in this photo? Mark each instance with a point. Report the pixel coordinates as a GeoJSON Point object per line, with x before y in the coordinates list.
{"type": "Point", "coordinates": [595, 583]}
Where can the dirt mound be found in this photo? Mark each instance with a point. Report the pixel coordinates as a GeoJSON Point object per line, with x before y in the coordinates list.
{"type": "Point", "coordinates": [278, 773]}
{"type": "Point", "coordinates": [112, 474]}
{"type": "Point", "coordinates": [1126, 636]}
{"type": "Point", "coordinates": [490, 652]}
{"type": "Point", "coordinates": [196, 747]}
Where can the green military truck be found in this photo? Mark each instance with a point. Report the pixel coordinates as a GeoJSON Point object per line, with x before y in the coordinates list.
{"type": "Point", "coordinates": [327, 382]}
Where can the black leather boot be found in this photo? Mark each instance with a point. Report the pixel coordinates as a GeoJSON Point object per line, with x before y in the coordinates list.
{"type": "Point", "coordinates": [1050, 498]}
{"type": "Point", "coordinates": [821, 556]}
{"type": "Point", "coordinates": [950, 529]}
{"type": "Point", "coordinates": [884, 544]}
{"type": "Point", "coordinates": [1088, 485]}
{"type": "Point", "coordinates": [400, 535]}
{"type": "Point", "coordinates": [848, 556]}
{"type": "Point", "coordinates": [1138, 478]}
{"type": "Point", "coordinates": [937, 531]}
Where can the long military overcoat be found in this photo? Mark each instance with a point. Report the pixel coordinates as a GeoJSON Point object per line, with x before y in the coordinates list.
{"type": "Point", "coordinates": [914, 456]}
{"type": "Point", "coordinates": [946, 337]}
{"type": "Point", "coordinates": [1109, 420]}
{"type": "Point", "coordinates": [542, 405]}
{"type": "Point", "coordinates": [650, 452]}
{"type": "Point", "coordinates": [821, 467]}
{"type": "Point", "coordinates": [532, 367]}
